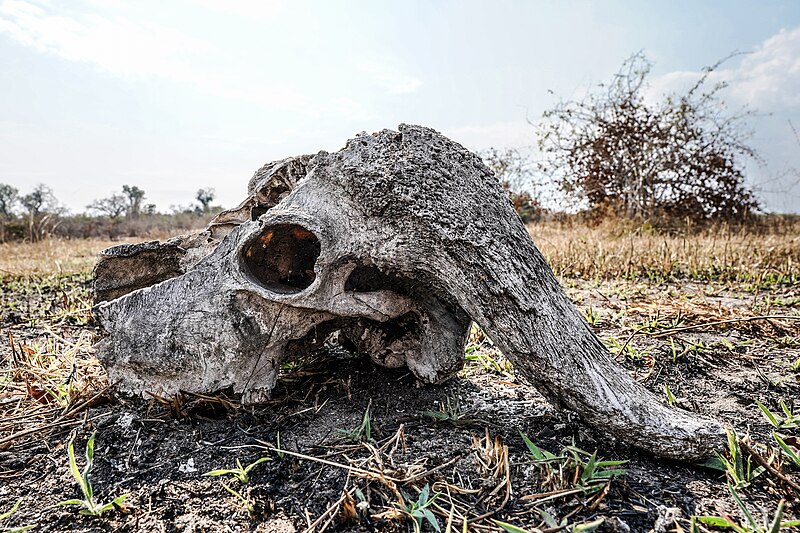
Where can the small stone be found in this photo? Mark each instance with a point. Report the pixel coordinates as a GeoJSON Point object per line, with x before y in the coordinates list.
{"type": "Point", "coordinates": [666, 519]}
{"type": "Point", "coordinates": [188, 467]}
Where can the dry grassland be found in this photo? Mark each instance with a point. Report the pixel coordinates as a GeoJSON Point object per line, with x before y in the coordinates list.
{"type": "Point", "coordinates": [709, 320]}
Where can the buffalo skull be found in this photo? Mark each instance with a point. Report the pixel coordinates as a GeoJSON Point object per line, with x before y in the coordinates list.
{"type": "Point", "coordinates": [396, 243]}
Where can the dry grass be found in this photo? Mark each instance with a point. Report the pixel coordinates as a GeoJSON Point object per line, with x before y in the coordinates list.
{"type": "Point", "coordinates": [47, 384]}
{"type": "Point", "coordinates": [49, 376]}
{"type": "Point", "coordinates": [52, 256]}
{"type": "Point", "coordinates": [766, 254]}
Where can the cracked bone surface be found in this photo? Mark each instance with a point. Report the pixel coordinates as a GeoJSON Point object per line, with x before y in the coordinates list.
{"type": "Point", "coordinates": [396, 242]}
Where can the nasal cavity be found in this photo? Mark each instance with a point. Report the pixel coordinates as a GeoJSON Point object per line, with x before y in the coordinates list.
{"type": "Point", "coordinates": [282, 259]}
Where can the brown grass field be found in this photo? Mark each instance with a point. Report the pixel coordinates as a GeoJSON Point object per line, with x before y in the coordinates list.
{"type": "Point", "coordinates": [708, 319]}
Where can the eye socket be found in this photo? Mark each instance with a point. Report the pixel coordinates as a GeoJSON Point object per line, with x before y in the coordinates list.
{"type": "Point", "coordinates": [282, 258]}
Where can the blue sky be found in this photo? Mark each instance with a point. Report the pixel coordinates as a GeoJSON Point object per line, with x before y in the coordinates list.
{"type": "Point", "coordinates": [176, 95]}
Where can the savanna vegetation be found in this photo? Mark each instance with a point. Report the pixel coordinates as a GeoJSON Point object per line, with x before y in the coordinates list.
{"type": "Point", "coordinates": [709, 321]}
{"type": "Point", "coordinates": [40, 215]}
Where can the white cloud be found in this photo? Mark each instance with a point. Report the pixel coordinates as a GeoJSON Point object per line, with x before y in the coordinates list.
{"type": "Point", "coordinates": [385, 73]}
{"type": "Point", "coordinates": [115, 45]}
{"type": "Point", "coordinates": [766, 79]}
{"type": "Point", "coordinates": [769, 78]}
{"type": "Point", "coordinates": [133, 49]}
{"type": "Point", "coordinates": [250, 9]}
{"type": "Point", "coordinates": [118, 40]}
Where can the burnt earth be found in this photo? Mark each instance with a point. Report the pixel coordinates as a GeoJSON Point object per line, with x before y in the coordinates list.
{"type": "Point", "coordinates": [158, 452]}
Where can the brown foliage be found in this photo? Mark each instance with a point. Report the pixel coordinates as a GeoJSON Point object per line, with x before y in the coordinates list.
{"type": "Point", "coordinates": [681, 157]}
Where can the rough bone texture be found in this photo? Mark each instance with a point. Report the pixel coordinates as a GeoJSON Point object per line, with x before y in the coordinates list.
{"type": "Point", "coordinates": [396, 242]}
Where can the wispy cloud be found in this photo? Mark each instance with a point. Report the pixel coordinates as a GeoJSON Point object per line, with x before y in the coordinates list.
{"type": "Point", "coordinates": [137, 49]}
{"type": "Point", "coordinates": [770, 76]}
{"type": "Point", "coordinates": [767, 79]}
{"type": "Point", "coordinates": [389, 76]}
{"type": "Point", "coordinates": [250, 9]}
{"type": "Point", "coordinates": [114, 45]}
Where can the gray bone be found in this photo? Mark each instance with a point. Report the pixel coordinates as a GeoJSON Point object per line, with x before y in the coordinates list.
{"type": "Point", "coordinates": [415, 238]}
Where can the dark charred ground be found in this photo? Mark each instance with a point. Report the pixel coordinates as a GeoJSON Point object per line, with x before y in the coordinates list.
{"type": "Point", "coordinates": [451, 438]}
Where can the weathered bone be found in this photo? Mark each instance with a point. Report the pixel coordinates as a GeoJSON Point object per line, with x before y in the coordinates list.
{"type": "Point", "coordinates": [396, 241]}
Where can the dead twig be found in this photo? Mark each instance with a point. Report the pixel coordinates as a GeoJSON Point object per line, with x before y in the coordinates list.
{"type": "Point", "coordinates": [768, 467]}
{"type": "Point", "coordinates": [369, 474]}
{"type": "Point", "coordinates": [672, 331]}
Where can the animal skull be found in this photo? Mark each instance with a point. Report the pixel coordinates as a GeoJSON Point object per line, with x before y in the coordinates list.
{"type": "Point", "coordinates": [397, 242]}
{"type": "Point", "coordinates": [274, 287]}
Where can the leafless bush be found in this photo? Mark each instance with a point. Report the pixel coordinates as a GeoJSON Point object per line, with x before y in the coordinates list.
{"type": "Point", "coordinates": [680, 157]}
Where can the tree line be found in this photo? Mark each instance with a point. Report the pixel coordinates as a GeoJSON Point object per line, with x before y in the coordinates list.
{"type": "Point", "coordinates": [39, 214]}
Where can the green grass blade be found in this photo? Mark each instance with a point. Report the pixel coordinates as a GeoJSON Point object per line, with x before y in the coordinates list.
{"type": "Point", "coordinates": [786, 410]}
{"type": "Point", "coordinates": [606, 474]}
{"type": "Point", "coordinates": [716, 463]}
{"type": "Point", "coordinates": [21, 529]}
{"type": "Point", "coordinates": [76, 473]}
{"type": "Point", "coordinates": [610, 463]}
{"type": "Point", "coordinates": [233, 492]}
{"type": "Point", "coordinates": [794, 457]}
{"type": "Point", "coordinates": [71, 502]}
{"type": "Point", "coordinates": [431, 519]}
{"type": "Point", "coordinates": [509, 527]}
{"type": "Point", "coordinates": [11, 511]}
{"type": "Point", "coordinates": [588, 470]}
{"type": "Point", "coordinates": [219, 473]}
{"type": "Point", "coordinates": [548, 518]}
{"type": "Point", "coordinates": [88, 491]}
{"type": "Point", "coordinates": [537, 453]}
{"type": "Point", "coordinates": [715, 521]}
{"type": "Point", "coordinates": [775, 527]}
{"type": "Point", "coordinates": [745, 511]}
{"type": "Point", "coordinates": [73, 464]}
{"type": "Point", "coordinates": [588, 526]}
{"type": "Point", "coordinates": [116, 503]}
{"type": "Point", "coordinates": [423, 495]}
{"type": "Point", "coordinates": [258, 462]}
{"type": "Point", "coordinates": [769, 415]}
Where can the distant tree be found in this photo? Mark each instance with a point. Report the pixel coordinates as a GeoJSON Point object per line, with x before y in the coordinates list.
{"type": "Point", "coordinates": [150, 209]}
{"type": "Point", "coordinates": [43, 210]}
{"type": "Point", "coordinates": [40, 200]}
{"type": "Point", "coordinates": [135, 196]}
{"type": "Point", "coordinates": [205, 197]}
{"type": "Point", "coordinates": [114, 206]}
{"type": "Point", "coordinates": [8, 198]}
{"type": "Point", "coordinates": [679, 157]}
{"type": "Point", "coordinates": [516, 174]}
